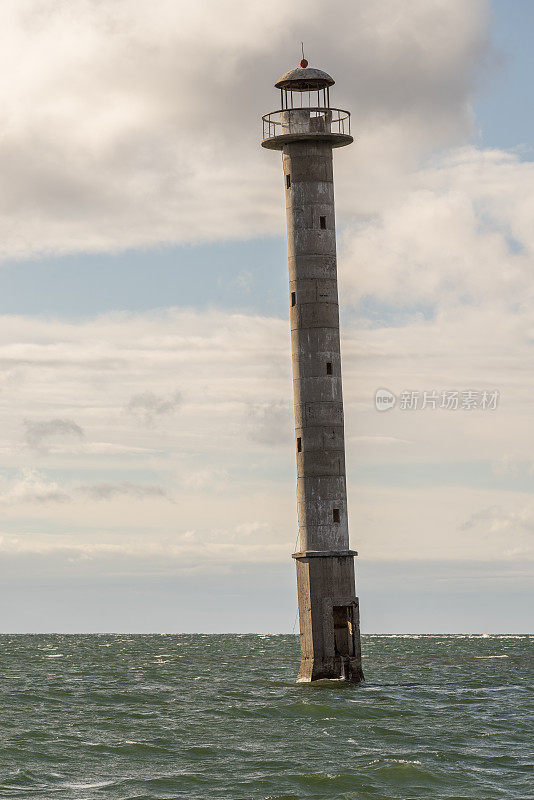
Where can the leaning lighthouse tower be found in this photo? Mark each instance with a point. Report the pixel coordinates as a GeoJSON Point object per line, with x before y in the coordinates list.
{"type": "Point", "coordinates": [306, 129]}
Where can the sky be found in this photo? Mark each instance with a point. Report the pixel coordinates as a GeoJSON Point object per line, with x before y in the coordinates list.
{"type": "Point", "coordinates": [147, 470]}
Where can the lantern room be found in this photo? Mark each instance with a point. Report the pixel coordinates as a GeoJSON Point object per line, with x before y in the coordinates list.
{"type": "Point", "coordinates": [305, 113]}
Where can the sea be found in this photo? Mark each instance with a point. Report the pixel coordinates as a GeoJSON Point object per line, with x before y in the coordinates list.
{"type": "Point", "coordinates": [146, 717]}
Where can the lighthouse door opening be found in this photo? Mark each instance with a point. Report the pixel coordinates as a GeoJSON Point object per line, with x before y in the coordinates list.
{"type": "Point", "coordinates": [343, 638]}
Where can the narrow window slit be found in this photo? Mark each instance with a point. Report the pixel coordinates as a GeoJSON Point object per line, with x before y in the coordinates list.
{"type": "Point", "coordinates": [288, 181]}
{"type": "Point", "coordinates": [335, 514]}
{"type": "Point", "coordinates": [293, 298]}
{"type": "Point", "coordinates": [299, 444]}
{"type": "Point", "coordinates": [328, 367]}
{"type": "Point", "coordinates": [322, 223]}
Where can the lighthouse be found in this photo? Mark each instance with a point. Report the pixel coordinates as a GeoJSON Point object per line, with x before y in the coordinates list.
{"type": "Point", "coordinates": [305, 129]}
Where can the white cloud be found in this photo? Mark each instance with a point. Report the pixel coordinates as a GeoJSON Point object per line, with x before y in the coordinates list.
{"type": "Point", "coordinates": [449, 523]}
{"type": "Point", "coordinates": [253, 542]}
{"type": "Point", "coordinates": [459, 233]}
{"type": "Point", "coordinates": [130, 124]}
{"type": "Point", "coordinates": [271, 423]}
{"type": "Point", "coordinates": [137, 130]}
{"type": "Point", "coordinates": [31, 487]}
{"type": "Point", "coordinates": [203, 459]}
{"type": "Point", "coordinates": [208, 479]}
{"type": "Point", "coordinates": [449, 258]}
{"type": "Point", "coordinates": [496, 519]}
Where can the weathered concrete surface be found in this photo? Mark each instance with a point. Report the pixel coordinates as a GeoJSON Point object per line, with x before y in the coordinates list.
{"type": "Point", "coordinates": [328, 606]}
{"type": "Point", "coordinates": [329, 619]}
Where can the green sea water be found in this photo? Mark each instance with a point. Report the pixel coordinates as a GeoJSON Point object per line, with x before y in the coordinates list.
{"type": "Point", "coordinates": [220, 716]}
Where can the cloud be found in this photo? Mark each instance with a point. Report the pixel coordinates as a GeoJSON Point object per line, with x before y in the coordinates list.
{"type": "Point", "coordinates": [436, 293]}
{"type": "Point", "coordinates": [41, 434]}
{"type": "Point", "coordinates": [510, 528]}
{"type": "Point", "coordinates": [270, 423]}
{"type": "Point", "coordinates": [110, 491]}
{"type": "Point", "coordinates": [496, 519]}
{"type": "Point", "coordinates": [94, 367]}
{"type": "Point", "coordinates": [486, 516]}
{"type": "Point", "coordinates": [380, 440]}
{"type": "Point", "coordinates": [149, 407]}
{"type": "Point", "coordinates": [129, 125]}
{"type": "Point", "coordinates": [243, 280]}
{"type": "Point", "coordinates": [169, 554]}
{"type": "Point", "coordinates": [31, 488]}
{"type": "Point", "coordinates": [458, 234]}
{"type": "Point", "coordinates": [414, 478]}
{"type": "Point", "coordinates": [208, 478]}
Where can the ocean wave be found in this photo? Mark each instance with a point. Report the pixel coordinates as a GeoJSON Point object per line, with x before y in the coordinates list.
{"type": "Point", "coordinates": [480, 657]}
{"type": "Point", "coordinates": [225, 718]}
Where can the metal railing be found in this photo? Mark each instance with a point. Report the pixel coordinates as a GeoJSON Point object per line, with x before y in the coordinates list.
{"type": "Point", "coordinates": [306, 120]}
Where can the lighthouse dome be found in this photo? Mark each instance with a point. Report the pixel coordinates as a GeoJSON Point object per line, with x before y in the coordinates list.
{"type": "Point", "coordinates": [307, 79]}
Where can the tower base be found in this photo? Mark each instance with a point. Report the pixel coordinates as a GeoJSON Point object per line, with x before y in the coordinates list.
{"type": "Point", "coordinates": [329, 617]}
{"type": "Point", "coordinates": [343, 668]}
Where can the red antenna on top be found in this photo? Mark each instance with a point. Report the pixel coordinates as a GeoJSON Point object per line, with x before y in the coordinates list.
{"type": "Point", "coordinates": [303, 63]}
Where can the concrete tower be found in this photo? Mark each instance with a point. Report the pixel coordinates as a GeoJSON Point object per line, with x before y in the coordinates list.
{"type": "Point", "coordinates": [306, 129]}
